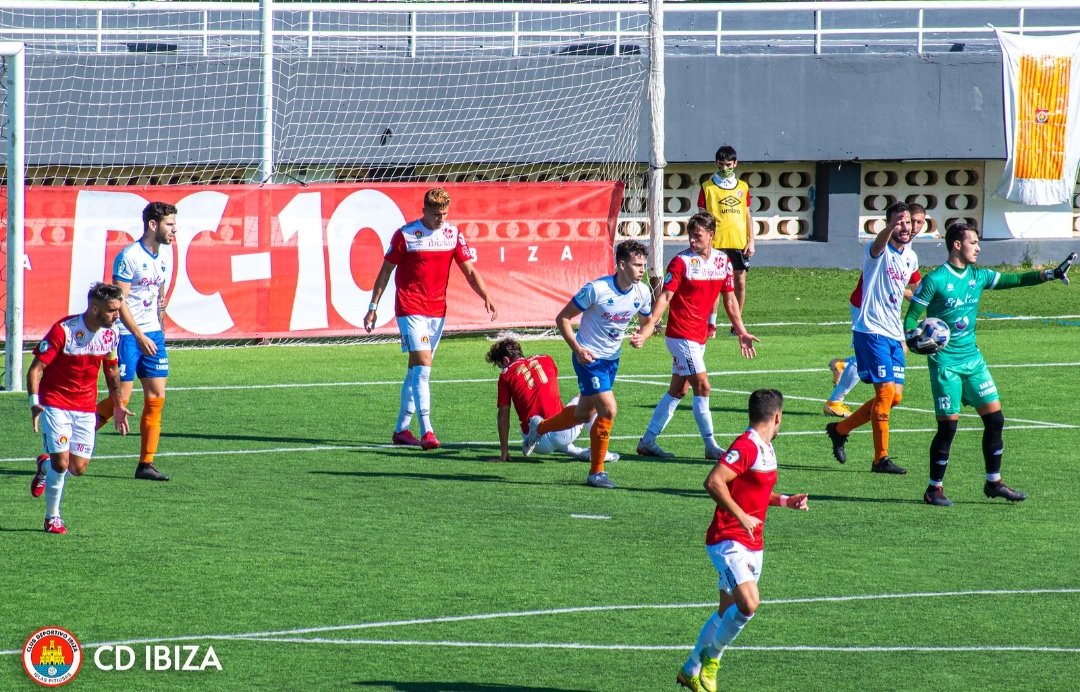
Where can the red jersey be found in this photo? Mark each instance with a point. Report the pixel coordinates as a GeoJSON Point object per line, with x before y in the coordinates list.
{"type": "Point", "coordinates": [73, 355]}
{"type": "Point", "coordinates": [856, 295]}
{"type": "Point", "coordinates": [423, 258]}
{"type": "Point", "coordinates": [695, 283]}
{"type": "Point", "coordinates": [532, 384]}
{"type": "Point", "coordinates": [755, 461]}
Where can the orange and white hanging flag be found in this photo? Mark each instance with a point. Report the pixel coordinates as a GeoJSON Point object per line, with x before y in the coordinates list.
{"type": "Point", "coordinates": [1042, 117]}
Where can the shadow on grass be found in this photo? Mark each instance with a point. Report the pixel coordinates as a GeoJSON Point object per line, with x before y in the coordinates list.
{"type": "Point", "coordinates": [457, 687]}
{"type": "Point", "coordinates": [845, 498]}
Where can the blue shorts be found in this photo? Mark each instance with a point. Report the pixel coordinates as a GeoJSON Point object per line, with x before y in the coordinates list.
{"type": "Point", "coordinates": [598, 376]}
{"type": "Point", "coordinates": [134, 362]}
{"type": "Point", "coordinates": [879, 358]}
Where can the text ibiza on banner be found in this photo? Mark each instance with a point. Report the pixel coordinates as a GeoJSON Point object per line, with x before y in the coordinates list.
{"type": "Point", "coordinates": [291, 261]}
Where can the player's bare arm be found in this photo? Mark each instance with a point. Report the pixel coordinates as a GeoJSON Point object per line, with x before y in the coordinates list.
{"type": "Point", "coordinates": [376, 293]}
{"type": "Point", "coordinates": [562, 323]}
{"type": "Point", "coordinates": [716, 483]}
{"type": "Point", "coordinates": [749, 251]}
{"type": "Point", "coordinates": [648, 325]}
{"type": "Point", "coordinates": [734, 313]}
{"type": "Point", "coordinates": [112, 382]}
{"type": "Point", "coordinates": [797, 501]}
{"type": "Point", "coordinates": [504, 433]}
{"type": "Point", "coordinates": [33, 380]}
{"type": "Point", "coordinates": [146, 344]}
{"type": "Point", "coordinates": [476, 282]}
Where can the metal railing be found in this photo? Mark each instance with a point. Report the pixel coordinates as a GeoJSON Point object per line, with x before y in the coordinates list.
{"type": "Point", "coordinates": [517, 28]}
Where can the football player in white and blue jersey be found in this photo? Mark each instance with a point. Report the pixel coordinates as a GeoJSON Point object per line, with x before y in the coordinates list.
{"type": "Point", "coordinates": [606, 306]}
{"type": "Point", "coordinates": [143, 271]}
{"type": "Point", "coordinates": [878, 335]}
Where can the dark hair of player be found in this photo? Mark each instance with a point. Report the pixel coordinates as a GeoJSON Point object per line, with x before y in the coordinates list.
{"type": "Point", "coordinates": [916, 208]}
{"type": "Point", "coordinates": [103, 292]}
{"type": "Point", "coordinates": [726, 153]}
{"type": "Point", "coordinates": [628, 249]}
{"type": "Point", "coordinates": [504, 348]}
{"type": "Point", "coordinates": [955, 233]}
{"type": "Point", "coordinates": [896, 209]}
{"type": "Point", "coordinates": [156, 211]}
{"type": "Point", "coordinates": [703, 221]}
{"type": "Point", "coordinates": [764, 404]}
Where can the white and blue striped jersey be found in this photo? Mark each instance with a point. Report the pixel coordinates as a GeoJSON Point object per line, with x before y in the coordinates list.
{"type": "Point", "coordinates": [149, 276]}
{"type": "Point", "coordinates": [884, 279]}
{"type": "Point", "coordinates": [606, 314]}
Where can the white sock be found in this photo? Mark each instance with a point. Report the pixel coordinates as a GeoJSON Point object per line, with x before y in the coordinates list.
{"type": "Point", "coordinates": [703, 416]}
{"type": "Point", "coordinates": [54, 490]}
{"type": "Point", "coordinates": [731, 624]}
{"type": "Point", "coordinates": [407, 408]}
{"type": "Point", "coordinates": [705, 637]}
{"type": "Point", "coordinates": [661, 416]}
{"type": "Point", "coordinates": [422, 395]}
{"type": "Point", "coordinates": [847, 381]}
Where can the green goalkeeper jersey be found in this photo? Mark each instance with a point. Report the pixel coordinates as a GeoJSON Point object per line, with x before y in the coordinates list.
{"type": "Point", "coordinates": [953, 296]}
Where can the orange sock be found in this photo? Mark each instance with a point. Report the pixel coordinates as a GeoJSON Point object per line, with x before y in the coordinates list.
{"type": "Point", "coordinates": [560, 421]}
{"type": "Point", "coordinates": [598, 437]}
{"type": "Point", "coordinates": [150, 428]}
{"type": "Point", "coordinates": [861, 416]}
{"type": "Point", "coordinates": [105, 410]}
{"type": "Point", "coordinates": [879, 422]}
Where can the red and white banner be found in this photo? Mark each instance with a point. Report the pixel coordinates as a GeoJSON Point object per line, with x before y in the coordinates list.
{"type": "Point", "coordinates": [281, 261]}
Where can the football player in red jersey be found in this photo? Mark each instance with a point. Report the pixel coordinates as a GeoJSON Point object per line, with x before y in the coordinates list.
{"type": "Point", "coordinates": [695, 279]}
{"type": "Point", "coordinates": [62, 384]}
{"type": "Point", "coordinates": [741, 483]}
{"type": "Point", "coordinates": [422, 252]}
{"type": "Point", "coordinates": [531, 384]}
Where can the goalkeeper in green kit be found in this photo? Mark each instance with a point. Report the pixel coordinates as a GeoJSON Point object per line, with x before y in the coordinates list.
{"type": "Point", "coordinates": [958, 372]}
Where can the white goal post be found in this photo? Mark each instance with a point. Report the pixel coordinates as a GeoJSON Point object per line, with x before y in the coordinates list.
{"type": "Point", "coordinates": [13, 55]}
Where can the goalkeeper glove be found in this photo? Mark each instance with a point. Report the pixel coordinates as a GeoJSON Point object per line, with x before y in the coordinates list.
{"type": "Point", "coordinates": [911, 338]}
{"type": "Point", "coordinates": [1062, 270]}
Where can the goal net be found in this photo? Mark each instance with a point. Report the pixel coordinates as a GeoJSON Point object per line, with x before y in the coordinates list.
{"type": "Point", "coordinates": [145, 95]}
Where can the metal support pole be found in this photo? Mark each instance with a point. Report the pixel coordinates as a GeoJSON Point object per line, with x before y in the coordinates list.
{"type": "Point", "coordinates": [266, 90]}
{"type": "Point", "coordinates": [657, 162]}
{"type": "Point", "coordinates": [16, 222]}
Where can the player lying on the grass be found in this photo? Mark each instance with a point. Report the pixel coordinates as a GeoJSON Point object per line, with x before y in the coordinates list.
{"type": "Point", "coordinates": [606, 306]}
{"type": "Point", "coordinates": [741, 484]}
{"type": "Point", "coordinates": [62, 383]}
{"type": "Point", "coordinates": [695, 278]}
{"type": "Point", "coordinates": [958, 372]}
{"type": "Point", "coordinates": [531, 384]}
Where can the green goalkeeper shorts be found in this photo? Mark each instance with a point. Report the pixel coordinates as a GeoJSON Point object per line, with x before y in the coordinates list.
{"type": "Point", "coordinates": [961, 383]}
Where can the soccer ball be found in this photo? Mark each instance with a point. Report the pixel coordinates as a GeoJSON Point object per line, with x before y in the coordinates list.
{"type": "Point", "coordinates": [931, 336]}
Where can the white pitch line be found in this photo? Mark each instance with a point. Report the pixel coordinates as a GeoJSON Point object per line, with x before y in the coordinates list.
{"type": "Point", "coordinates": [658, 379]}
{"type": "Point", "coordinates": [665, 647]}
{"type": "Point", "coordinates": [493, 443]}
{"type": "Point", "coordinates": [562, 611]}
{"type": "Point", "coordinates": [589, 516]}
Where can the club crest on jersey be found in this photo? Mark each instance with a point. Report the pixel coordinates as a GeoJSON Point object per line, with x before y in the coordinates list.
{"type": "Point", "coordinates": [694, 262]}
{"type": "Point", "coordinates": [62, 439]}
{"type": "Point", "coordinates": [971, 284]}
{"type": "Point", "coordinates": [448, 232]}
{"type": "Point", "coordinates": [418, 235]}
{"type": "Point", "coordinates": [732, 456]}
{"type": "Point", "coordinates": [79, 335]}
{"type": "Point", "coordinates": [949, 287]}
{"type": "Point", "coordinates": [610, 301]}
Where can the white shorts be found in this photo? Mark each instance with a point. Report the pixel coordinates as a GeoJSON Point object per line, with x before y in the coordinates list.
{"type": "Point", "coordinates": [736, 563]}
{"type": "Point", "coordinates": [419, 333]}
{"type": "Point", "coordinates": [557, 441]}
{"type": "Point", "coordinates": [687, 357]}
{"type": "Point", "coordinates": [68, 431]}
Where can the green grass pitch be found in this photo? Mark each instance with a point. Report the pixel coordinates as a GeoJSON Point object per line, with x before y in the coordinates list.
{"type": "Point", "coordinates": [313, 556]}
